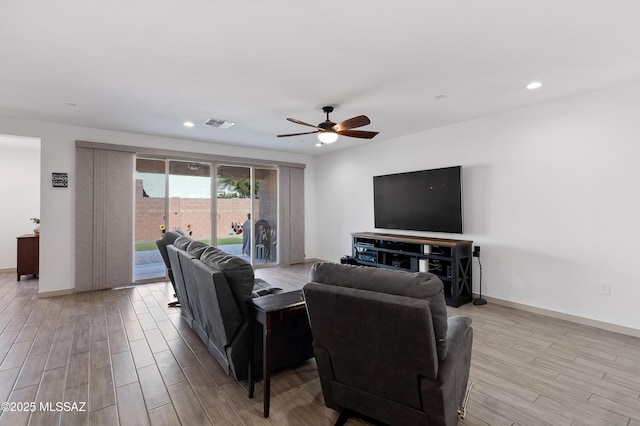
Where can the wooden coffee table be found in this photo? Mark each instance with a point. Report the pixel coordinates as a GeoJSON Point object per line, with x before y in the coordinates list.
{"type": "Point", "coordinates": [269, 311]}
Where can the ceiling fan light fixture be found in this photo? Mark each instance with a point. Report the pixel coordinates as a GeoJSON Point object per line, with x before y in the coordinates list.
{"type": "Point", "coordinates": [328, 131]}
{"type": "Point", "coordinates": [327, 136]}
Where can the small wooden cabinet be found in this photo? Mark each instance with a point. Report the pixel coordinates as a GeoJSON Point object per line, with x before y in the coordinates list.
{"type": "Point", "coordinates": [28, 255]}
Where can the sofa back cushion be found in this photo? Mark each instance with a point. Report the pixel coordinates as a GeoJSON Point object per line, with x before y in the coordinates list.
{"type": "Point", "coordinates": [220, 315]}
{"type": "Point", "coordinates": [191, 246]}
{"type": "Point", "coordinates": [169, 237]}
{"type": "Point", "coordinates": [196, 248]}
{"type": "Point", "coordinates": [182, 242]}
{"type": "Point", "coordinates": [238, 273]}
{"type": "Point", "coordinates": [418, 285]}
{"type": "Point", "coordinates": [188, 275]}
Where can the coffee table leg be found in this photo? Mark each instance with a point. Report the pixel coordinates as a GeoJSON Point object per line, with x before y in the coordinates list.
{"type": "Point", "coordinates": [266, 368]}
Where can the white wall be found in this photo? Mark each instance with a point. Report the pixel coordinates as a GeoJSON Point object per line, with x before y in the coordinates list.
{"type": "Point", "coordinates": [57, 205]}
{"type": "Point", "coordinates": [550, 194]}
{"type": "Point", "coordinates": [19, 192]}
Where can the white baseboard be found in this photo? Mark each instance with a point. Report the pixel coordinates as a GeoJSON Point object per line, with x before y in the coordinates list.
{"type": "Point", "coordinates": [7, 270]}
{"type": "Point", "coordinates": [43, 294]}
{"type": "Point", "coordinates": [566, 317]}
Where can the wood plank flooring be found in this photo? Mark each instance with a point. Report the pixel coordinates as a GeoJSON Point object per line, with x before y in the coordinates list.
{"type": "Point", "coordinates": [134, 361]}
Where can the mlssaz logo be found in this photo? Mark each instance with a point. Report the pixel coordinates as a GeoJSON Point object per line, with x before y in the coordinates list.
{"type": "Point", "coordinates": [63, 406]}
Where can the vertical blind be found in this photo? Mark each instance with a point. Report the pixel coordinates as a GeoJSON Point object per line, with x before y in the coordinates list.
{"type": "Point", "coordinates": [104, 218]}
{"type": "Point", "coordinates": [291, 181]}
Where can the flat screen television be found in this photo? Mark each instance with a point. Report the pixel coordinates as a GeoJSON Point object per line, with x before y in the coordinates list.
{"type": "Point", "coordinates": [426, 200]}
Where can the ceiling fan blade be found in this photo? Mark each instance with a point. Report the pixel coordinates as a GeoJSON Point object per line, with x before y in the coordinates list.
{"type": "Point", "coordinates": [358, 134]}
{"type": "Point", "coordinates": [298, 134]}
{"type": "Point", "coordinates": [352, 123]}
{"type": "Point", "coordinates": [293, 120]}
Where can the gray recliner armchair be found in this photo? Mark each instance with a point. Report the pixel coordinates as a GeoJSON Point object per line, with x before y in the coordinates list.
{"type": "Point", "coordinates": [168, 238]}
{"type": "Point", "coordinates": [384, 346]}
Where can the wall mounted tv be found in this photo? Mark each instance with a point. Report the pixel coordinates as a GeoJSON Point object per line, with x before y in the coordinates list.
{"type": "Point", "coordinates": [427, 200]}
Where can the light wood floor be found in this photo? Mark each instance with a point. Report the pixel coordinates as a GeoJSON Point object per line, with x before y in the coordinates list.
{"type": "Point", "coordinates": [132, 360]}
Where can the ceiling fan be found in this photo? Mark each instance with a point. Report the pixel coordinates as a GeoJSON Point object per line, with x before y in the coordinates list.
{"type": "Point", "coordinates": [328, 131]}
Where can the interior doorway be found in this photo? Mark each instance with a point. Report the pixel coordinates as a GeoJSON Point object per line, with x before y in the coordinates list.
{"type": "Point", "coordinates": [20, 188]}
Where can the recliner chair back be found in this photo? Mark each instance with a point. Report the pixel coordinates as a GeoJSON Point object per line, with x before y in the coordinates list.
{"type": "Point", "coordinates": [377, 344]}
{"type": "Point", "coordinates": [168, 238]}
{"type": "Point", "coordinates": [383, 346]}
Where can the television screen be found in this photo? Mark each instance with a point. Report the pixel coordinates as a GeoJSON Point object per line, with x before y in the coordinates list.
{"type": "Point", "coordinates": [427, 200]}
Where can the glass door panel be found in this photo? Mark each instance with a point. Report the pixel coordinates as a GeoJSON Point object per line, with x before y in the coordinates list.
{"type": "Point", "coordinates": [233, 205]}
{"type": "Point", "coordinates": [190, 199]}
{"type": "Point", "coordinates": [150, 217]}
{"type": "Point", "coordinates": [265, 206]}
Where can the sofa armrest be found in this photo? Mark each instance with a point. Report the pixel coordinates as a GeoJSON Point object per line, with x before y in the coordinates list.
{"type": "Point", "coordinates": [458, 334]}
{"type": "Point", "coordinates": [459, 340]}
{"type": "Point", "coordinates": [448, 391]}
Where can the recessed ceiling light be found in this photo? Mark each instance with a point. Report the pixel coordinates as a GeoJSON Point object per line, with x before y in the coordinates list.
{"type": "Point", "coordinates": [440, 96]}
{"type": "Point", "coordinates": [534, 85]}
{"type": "Point", "coordinates": [319, 144]}
{"type": "Point", "coordinates": [71, 104]}
{"type": "Point", "coordinates": [187, 124]}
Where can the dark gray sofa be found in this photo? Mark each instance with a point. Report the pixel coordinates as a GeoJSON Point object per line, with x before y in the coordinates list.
{"type": "Point", "coordinates": [167, 239]}
{"type": "Point", "coordinates": [215, 290]}
{"type": "Point", "coordinates": [384, 346]}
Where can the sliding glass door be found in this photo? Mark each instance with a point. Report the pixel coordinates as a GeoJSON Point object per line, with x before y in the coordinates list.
{"type": "Point", "coordinates": [247, 212]}
{"type": "Point", "coordinates": [170, 195]}
{"type": "Point", "coordinates": [190, 199]}
{"type": "Point", "coordinates": [174, 195]}
{"type": "Point", "coordinates": [233, 210]}
{"type": "Point", "coordinates": [266, 207]}
{"type": "Point", "coordinates": [150, 207]}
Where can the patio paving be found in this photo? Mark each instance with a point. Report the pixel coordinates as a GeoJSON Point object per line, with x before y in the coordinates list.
{"type": "Point", "coordinates": [149, 263]}
{"type": "Point", "coordinates": [148, 256]}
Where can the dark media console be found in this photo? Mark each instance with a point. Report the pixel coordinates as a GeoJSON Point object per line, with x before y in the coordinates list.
{"type": "Point", "coordinates": [449, 259]}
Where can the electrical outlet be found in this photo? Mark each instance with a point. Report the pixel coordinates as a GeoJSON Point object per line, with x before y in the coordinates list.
{"type": "Point", "coordinates": [476, 251]}
{"type": "Point", "coordinates": [604, 289]}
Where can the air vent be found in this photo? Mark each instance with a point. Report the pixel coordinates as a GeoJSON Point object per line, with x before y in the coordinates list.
{"type": "Point", "coordinates": [221, 124]}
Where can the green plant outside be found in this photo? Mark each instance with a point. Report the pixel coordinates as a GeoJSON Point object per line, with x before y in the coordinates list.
{"type": "Point", "coordinates": [146, 247]}
{"type": "Point", "coordinates": [221, 242]}
{"type": "Point", "coordinates": [225, 241]}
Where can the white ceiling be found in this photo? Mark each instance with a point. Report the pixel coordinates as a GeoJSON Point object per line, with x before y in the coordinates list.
{"type": "Point", "coordinates": [146, 66]}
